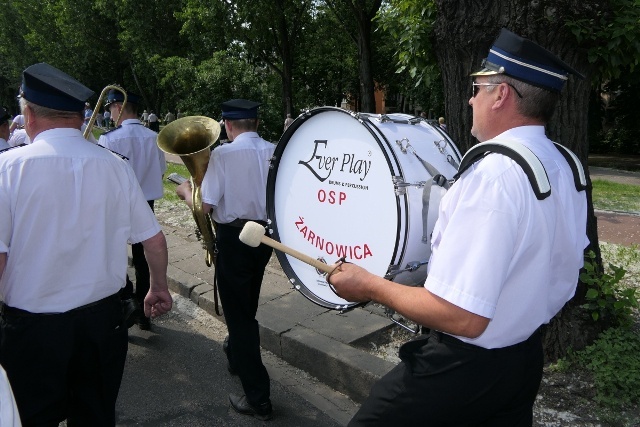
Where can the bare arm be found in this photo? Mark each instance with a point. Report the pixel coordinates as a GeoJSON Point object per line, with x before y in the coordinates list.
{"type": "Point", "coordinates": [158, 301]}
{"type": "Point", "coordinates": [354, 283]}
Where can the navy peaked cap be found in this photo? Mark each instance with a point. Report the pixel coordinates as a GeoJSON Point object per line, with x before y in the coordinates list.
{"type": "Point", "coordinates": [236, 109]}
{"type": "Point", "coordinates": [117, 96]}
{"type": "Point", "coordinates": [49, 87]}
{"type": "Point", "coordinates": [524, 60]}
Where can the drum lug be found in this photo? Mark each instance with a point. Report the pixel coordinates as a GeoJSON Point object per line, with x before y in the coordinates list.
{"type": "Point", "coordinates": [272, 162]}
{"type": "Point", "coordinates": [400, 186]}
{"type": "Point", "coordinates": [390, 313]}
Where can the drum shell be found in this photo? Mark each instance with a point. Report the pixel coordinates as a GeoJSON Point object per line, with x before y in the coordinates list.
{"type": "Point", "coordinates": [352, 184]}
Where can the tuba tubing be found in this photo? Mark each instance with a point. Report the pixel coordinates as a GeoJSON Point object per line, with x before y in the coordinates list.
{"type": "Point", "coordinates": [98, 106]}
{"type": "Point", "coordinates": [191, 138]}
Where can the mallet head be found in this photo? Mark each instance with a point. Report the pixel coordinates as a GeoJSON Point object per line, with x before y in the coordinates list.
{"type": "Point", "coordinates": [251, 234]}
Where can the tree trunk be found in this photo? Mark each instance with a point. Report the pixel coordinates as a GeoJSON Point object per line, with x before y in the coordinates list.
{"type": "Point", "coordinates": [463, 33]}
{"type": "Point", "coordinates": [364, 60]}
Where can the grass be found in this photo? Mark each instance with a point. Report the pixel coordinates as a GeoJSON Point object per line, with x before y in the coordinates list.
{"type": "Point", "coordinates": [612, 196]}
{"type": "Point", "coordinates": [170, 187]}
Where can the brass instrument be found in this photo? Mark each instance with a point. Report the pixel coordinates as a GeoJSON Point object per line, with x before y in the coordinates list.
{"type": "Point", "coordinates": [103, 94]}
{"type": "Point", "coordinates": [191, 138]}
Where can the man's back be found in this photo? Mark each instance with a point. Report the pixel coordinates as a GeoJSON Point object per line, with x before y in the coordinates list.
{"type": "Point", "coordinates": [138, 144]}
{"type": "Point", "coordinates": [84, 205]}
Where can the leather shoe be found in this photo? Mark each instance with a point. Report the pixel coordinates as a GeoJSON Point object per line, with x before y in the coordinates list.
{"type": "Point", "coordinates": [144, 323]}
{"type": "Point", "coordinates": [131, 311]}
{"type": "Point", "coordinates": [262, 412]}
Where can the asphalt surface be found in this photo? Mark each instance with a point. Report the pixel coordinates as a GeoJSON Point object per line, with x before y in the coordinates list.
{"type": "Point", "coordinates": [176, 375]}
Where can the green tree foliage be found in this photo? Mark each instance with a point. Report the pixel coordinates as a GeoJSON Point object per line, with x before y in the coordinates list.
{"type": "Point", "coordinates": [357, 19]}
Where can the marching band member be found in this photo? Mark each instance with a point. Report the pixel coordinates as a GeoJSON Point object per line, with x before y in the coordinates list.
{"type": "Point", "coordinates": [138, 144]}
{"type": "Point", "coordinates": [67, 210]}
{"type": "Point", "coordinates": [503, 263]}
{"type": "Point", "coordinates": [234, 190]}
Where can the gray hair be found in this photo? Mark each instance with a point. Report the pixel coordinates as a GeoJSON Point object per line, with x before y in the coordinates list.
{"type": "Point", "coordinates": [536, 103]}
{"type": "Point", "coordinates": [49, 113]}
{"type": "Point", "coordinates": [247, 125]}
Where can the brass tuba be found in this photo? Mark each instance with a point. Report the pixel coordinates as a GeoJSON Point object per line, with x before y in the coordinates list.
{"type": "Point", "coordinates": [191, 138]}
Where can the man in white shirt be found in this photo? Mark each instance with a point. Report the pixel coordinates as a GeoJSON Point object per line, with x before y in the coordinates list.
{"type": "Point", "coordinates": [67, 210]}
{"type": "Point", "coordinates": [503, 263]}
{"type": "Point", "coordinates": [234, 192]}
{"type": "Point", "coordinates": [138, 144]}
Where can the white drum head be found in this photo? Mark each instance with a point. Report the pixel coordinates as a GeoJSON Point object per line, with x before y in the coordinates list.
{"type": "Point", "coordinates": [331, 194]}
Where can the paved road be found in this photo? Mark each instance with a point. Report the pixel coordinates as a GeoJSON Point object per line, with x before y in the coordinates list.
{"type": "Point", "coordinates": [176, 375]}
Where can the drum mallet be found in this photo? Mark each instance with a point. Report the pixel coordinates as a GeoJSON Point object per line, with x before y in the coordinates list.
{"type": "Point", "coordinates": [252, 234]}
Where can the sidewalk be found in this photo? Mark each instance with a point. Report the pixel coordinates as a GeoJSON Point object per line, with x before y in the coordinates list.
{"type": "Point", "coordinates": [305, 335]}
{"type": "Point", "coordinates": [322, 341]}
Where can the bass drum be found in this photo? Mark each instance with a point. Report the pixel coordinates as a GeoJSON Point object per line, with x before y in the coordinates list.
{"type": "Point", "coordinates": [361, 186]}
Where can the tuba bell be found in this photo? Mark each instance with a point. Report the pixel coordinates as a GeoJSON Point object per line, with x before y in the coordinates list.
{"type": "Point", "coordinates": [191, 138]}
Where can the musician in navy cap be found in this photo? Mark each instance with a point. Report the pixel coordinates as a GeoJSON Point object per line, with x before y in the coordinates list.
{"type": "Point", "coordinates": [137, 143]}
{"type": "Point", "coordinates": [4, 128]}
{"type": "Point", "coordinates": [67, 210]}
{"type": "Point", "coordinates": [505, 259]}
{"type": "Point", "coordinates": [234, 191]}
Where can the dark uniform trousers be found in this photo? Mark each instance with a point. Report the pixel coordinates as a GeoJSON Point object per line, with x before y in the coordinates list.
{"type": "Point", "coordinates": [443, 381]}
{"type": "Point", "coordinates": [240, 269]}
{"type": "Point", "coordinates": [66, 365]}
{"type": "Point", "coordinates": [143, 280]}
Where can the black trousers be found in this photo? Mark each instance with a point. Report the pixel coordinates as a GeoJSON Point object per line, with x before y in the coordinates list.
{"type": "Point", "coordinates": [143, 281]}
{"type": "Point", "coordinates": [443, 381]}
{"type": "Point", "coordinates": [65, 366]}
{"type": "Point", "coordinates": [240, 269]}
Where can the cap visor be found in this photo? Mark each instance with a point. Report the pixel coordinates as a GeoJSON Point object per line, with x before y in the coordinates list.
{"type": "Point", "coordinates": [484, 72]}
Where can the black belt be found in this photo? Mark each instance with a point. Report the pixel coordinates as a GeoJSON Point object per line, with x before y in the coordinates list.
{"type": "Point", "coordinates": [239, 223]}
{"type": "Point", "coordinates": [6, 310]}
{"type": "Point", "coordinates": [448, 339]}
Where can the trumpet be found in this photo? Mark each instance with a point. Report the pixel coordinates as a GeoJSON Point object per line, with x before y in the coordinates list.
{"type": "Point", "coordinates": [191, 138]}
{"type": "Point", "coordinates": [103, 94]}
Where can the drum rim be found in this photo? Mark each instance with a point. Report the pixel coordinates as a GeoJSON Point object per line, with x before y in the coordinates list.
{"type": "Point", "coordinates": [393, 163]}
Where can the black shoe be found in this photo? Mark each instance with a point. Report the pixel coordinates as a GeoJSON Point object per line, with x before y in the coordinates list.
{"type": "Point", "coordinates": [131, 311]}
{"type": "Point", "coordinates": [144, 323]}
{"type": "Point", "coordinates": [262, 412]}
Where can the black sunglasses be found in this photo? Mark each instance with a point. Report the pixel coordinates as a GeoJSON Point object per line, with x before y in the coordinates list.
{"type": "Point", "coordinates": [476, 87]}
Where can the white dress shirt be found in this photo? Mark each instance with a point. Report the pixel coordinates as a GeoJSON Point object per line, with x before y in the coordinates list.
{"type": "Point", "coordinates": [499, 252]}
{"type": "Point", "coordinates": [236, 180]}
{"type": "Point", "coordinates": [138, 144]}
{"type": "Point", "coordinates": [67, 210]}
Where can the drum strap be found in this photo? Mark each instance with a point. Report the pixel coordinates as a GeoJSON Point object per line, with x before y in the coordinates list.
{"type": "Point", "coordinates": [440, 181]}
{"type": "Point", "coordinates": [528, 161]}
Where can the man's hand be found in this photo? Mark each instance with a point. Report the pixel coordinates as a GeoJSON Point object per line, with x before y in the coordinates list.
{"type": "Point", "coordinates": [157, 303]}
{"type": "Point", "coordinates": [351, 282]}
{"type": "Point", "coordinates": [184, 191]}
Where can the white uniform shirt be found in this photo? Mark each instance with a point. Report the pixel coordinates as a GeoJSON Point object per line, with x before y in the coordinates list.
{"type": "Point", "coordinates": [67, 210]}
{"type": "Point", "coordinates": [18, 120]}
{"type": "Point", "coordinates": [9, 416]}
{"type": "Point", "coordinates": [3, 144]}
{"type": "Point", "coordinates": [236, 179]}
{"type": "Point", "coordinates": [138, 144]}
{"type": "Point", "coordinates": [18, 137]}
{"type": "Point", "coordinates": [502, 254]}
